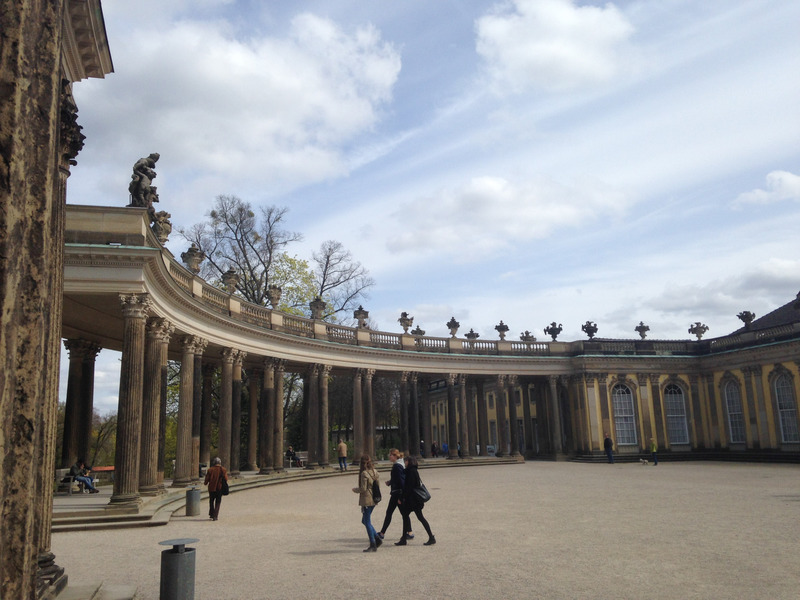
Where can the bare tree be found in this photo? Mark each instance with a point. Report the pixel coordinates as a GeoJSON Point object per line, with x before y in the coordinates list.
{"type": "Point", "coordinates": [339, 279]}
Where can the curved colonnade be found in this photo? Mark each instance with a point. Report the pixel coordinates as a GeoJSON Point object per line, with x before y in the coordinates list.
{"type": "Point", "coordinates": [123, 291]}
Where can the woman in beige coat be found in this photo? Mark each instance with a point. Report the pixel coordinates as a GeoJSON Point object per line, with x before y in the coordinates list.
{"type": "Point", "coordinates": [366, 475]}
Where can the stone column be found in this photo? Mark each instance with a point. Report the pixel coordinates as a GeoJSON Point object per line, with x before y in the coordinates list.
{"type": "Point", "coordinates": [658, 425]}
{"type": "Point", "coordinates": [358, 416]}
{"type": "Point", "coordinates": [277, 423]}
{"type": "Point", "coordinates": [511, 383]}
{"type": "Point", "coordinates": [266, 456]}
{"type": "Point", "coordinates": [404, 412]}
{"type": "Point", "coordinates": [197, 413]}
{"type": "Point", "coordinates": [158, 332]}
{"type": "Point", "coordinates": [254, 391]}
{"type": "Point", "coordinates": [322, 457]}
{"type": "Point", "coordinates": [205, 412]}
{"type": "Point", "coordinates": [369, 413]}
{"type": "Point", "coordinates": [311, 389]}
{"type": "Point", "coordinates": [483, 417]}
{"type": "Point", "coordinates": [426, 417]}
{"type": "Point", "coordinates": [452, 430]}
{"type": "Point", "coordinates": [79, 406]}
{"type": "Point", "coordinates": [526, 419]}
{"type": "Point", "coordinates": [236, 414]}
{"type": "Point", "coordinates": [184, 468]}
{"type": "Point", "coordinates": [129, 414]}
{"type": "Point", "coordinates": [226, 407]}
{"type": "Point", "coordinates": [472, 423]}
{"type": "Point", "coordinates": [162, 414]}
{"type": "Point", "coordinates": [555, 411]}
{"type": "Point", "coordinates": [463, 425]}
{"type": "Point", "coordinates": [500, 408]}
{"type": "Point", "coordinates": [414, 439]}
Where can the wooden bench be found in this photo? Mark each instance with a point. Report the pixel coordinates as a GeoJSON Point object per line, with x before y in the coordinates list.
{"type": "Point", "coordinates": [302, 456]}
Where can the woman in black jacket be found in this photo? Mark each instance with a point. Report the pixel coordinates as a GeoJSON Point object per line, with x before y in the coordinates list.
{"type": "Point", "coordinates": [411, 502]}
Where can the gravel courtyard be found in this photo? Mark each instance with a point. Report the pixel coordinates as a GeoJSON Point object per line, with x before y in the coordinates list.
{"type": "Point", "coordinates": [534, 530]}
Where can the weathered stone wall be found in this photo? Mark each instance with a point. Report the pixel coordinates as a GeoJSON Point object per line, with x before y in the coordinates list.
{"type": "Point", "coordinates": [30, 278]}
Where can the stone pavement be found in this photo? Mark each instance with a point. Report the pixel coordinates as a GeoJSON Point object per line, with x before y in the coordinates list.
{"type": "Point", "coordinates": [533, 530]}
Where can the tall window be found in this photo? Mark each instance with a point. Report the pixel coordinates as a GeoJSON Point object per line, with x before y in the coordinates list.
{"type": "Point", "coordinates": [624, 415]}
{"type": "Point", "coordinates": [787, 409]}
{"type": "Point", "coordinates": [733, 400]}
{"type": "Point", "coordinates": [675, 407]}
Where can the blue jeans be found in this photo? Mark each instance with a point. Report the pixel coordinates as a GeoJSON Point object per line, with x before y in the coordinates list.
{"type": "Point", "coordinates": [655, 458]}
{"type": "Point", "coordinates": [87, 481]}
{"type": "Point", "coordinates": [366, 521]}
{"type": "Point", "coordinates": [342, 462]}
{"type": "Point", "coordinates": [610, 455]}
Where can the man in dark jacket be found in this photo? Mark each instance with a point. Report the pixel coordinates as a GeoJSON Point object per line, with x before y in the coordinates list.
{"type": "Point", "coordinates": [608, 446]}
{"type": "Point", "coordinates": [80, 473]}
{"type": "Point", "coordinates": [396, 480]}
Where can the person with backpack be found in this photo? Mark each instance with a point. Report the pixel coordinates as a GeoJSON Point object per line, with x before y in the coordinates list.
{"type": "Point", "coordinates": [368, 497]}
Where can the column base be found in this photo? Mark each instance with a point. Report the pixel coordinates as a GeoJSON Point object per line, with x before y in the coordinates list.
{"type": "Point", "coordinates": [265, 471]}
{"type": "Point", "coordinates": [152, 490]}
{"type": "Point", "coordinates": [50, 578]}
{"type": "Point", "coordinates": [133, 501]}
{"type": "Point", "coordinates": [181, 483]}
{"type": "Point", "coordinates": [252, 467]}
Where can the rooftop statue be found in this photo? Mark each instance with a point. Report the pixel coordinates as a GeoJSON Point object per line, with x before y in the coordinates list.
{"type": "Point", "coordinates": [143, 193]}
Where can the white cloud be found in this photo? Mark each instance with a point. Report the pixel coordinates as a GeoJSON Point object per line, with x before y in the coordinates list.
{"type": "Point", "coordinates": [551, 44]}
{"type": "Point", "coordinates": [781, 185]}
{"type": "Point", "coordinates": [276, 112]}
{"type": "Point", "coordinates": [488, 214]}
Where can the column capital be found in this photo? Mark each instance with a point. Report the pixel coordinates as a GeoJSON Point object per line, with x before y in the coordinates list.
{"type": "Point", "coordinates": [229, 355]}
{"type": "Point", "coordinates": [239, 357]}
{"type": "Point", "coordinates": [451, 378]}
{"type": "Point", "coordinates": [414, 376]}
{"type": "Point", "coordinates": [135, 306]}
{"type": "Point", "coordinates": [512, 381]}
{"type": "Point", "coordinates": [655, 379]}
{"type": "Point", "coordinates": [369, 374]}
{"type": "Point", "coordinates": [82, 349]}
{"type": "Point", "coordinates": [325, 371]}
{"type": "Point", "coordinates": [404, 376]}
{"type": "Point", "coordinates": [160, 329]}
{"type": "Point", "coordinates": [193, 344]}
{"type": "Point", "coordinates": [462, 379]}
{"type": "Point", "coordinates": [501, 380]}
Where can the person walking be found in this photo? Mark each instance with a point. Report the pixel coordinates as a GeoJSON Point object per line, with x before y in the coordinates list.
{"type": "Point", "coordinates": [342, 449]}
{"type": "Point", "coordinates": [366, 475]}
{"type": "Point", "coordinates": [654, 451]}
{"type": "Point", "coordinates": [411, 502]}
{"type": "Point", "coordinates": [215, 475]}
{"type": "Point", "coordinates": [396, 480]}
{"type": "Point", "coordinates": [608, 445]}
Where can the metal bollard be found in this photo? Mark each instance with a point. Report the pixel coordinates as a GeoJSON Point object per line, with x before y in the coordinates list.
{"type": "Point", "coordinates": [193, 502]}
{"type": "Point", "coordinates": [177, 570]}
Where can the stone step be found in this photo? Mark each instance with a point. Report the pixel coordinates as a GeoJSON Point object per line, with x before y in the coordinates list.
{"type": "Point", "coordinates": [98, 591]}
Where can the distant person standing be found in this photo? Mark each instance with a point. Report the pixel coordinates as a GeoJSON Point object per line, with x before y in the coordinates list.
{"type": "Point", "coordinates": [342, 449]}
{"type": "Point", "coordinates": [215, 475]}
{"type": "Point", "coordinates": [654, 451]}
{"type": "Point", "coordinates": [608, 445]}
{"type": "Point", "coordinates": [366, 475]}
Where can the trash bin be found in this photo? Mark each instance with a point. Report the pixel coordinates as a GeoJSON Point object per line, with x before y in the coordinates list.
{"type": "Point", "coordinates": [192, 502]}
{"type": "Point", "coordinates": [177, 570]}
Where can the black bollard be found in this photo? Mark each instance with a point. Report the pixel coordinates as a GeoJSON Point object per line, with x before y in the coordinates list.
{"type": "Point", "coordinates": [177, 570]}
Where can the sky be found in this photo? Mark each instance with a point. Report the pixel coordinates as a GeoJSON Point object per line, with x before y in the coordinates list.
{"type": "Point", "coordinates": [528, 161]}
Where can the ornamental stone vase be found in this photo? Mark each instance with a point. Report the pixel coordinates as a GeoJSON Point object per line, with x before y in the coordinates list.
{"type": "Point", "coordinates": [553, 330]}
{"type": "Point", "coordinates": [501, 329]}
{"type": "Point", "coordinates": [527, 337]}
{"type": "Point", "coordinates": [453, 326]}
{"type": "Point", "coordinates": [317, 306]}
{"type": "Point", "coordinates": [230, 279]}
{"type": "Point", "coordinates": [274, 295]}
{"type": "Point", "coordinates": [192, 258]}
{"type": "Point", "coordinates": [405, 321]}
{"type": "Point", "coordinates": [699, 329]}
{"type": "Point", "coordinates": [417, 331]}
{"type": "Point", "coordinates": [641, 329]}
{"type": "Point", "coordinates": [589, 329]}
{"type": "Point", "coordinates": [747, 318]}
{"type": "Point", "coordinates": [361, 316]}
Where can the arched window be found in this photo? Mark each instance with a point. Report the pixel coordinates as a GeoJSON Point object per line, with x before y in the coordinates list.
{"type": "Point", "coordinates": [675, 407]}
{"type": "Point", "coordinates": [787, 408]}
{"type": "Point", "coordinates": [624, 415]}
{"type": "Point", "coordinates": [733, 400]}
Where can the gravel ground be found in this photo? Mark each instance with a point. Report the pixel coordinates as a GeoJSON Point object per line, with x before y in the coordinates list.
{"type": "Point", "coordinates": [535, 530]}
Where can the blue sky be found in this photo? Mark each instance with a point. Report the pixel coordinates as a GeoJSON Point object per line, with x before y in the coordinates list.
{"type": "Point", "coordinates": [528, 161]}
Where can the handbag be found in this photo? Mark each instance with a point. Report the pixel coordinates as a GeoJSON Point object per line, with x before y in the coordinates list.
{"type": "Point", "coordinates": [225, 489]}
{"type": "Point", "coordinates": [422, 492]}
{"type": "Point", "coordinates": [376, 491]}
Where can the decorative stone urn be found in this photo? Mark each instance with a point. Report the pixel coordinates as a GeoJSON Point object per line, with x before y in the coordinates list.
{"type": "Point", "coordinates": [589, 329]}
{"type": "Point", "coordinates": [527, 337]}
{"type": "Point", "coordinates": [274, 293]}
{"type": "Point", "coordinates": [361, 316]}
{"type": "Point", "coordinates": [192, 258]}
{"type": "Point", "coordinates": [747, 318]}
{"type": "Point", "coordinates": [698, 329]}
{"type": "Point", "coordinates": [501, 328]}
{"type": "Point", "coordinates": [317, 306]}
{"type": "Point", "coordinates": [453, 326]}
{"type": "Point", "coordinates": [553, 330]}
{"type": "Point", "coordinates": [161, 226]}
{"type": "Point", "coordinates": [472, 336]}
{"type": "Point", "coordinates": [417, 331]}
{"type": "Point", "coordinates": [405, 321]}
{"type": "Point", "coordinates": [641, 329]}
{"type": "Point", "coordinates": [230, 279]}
